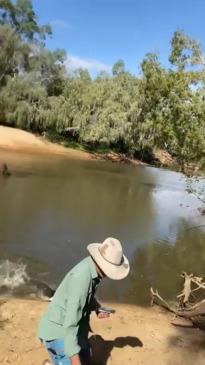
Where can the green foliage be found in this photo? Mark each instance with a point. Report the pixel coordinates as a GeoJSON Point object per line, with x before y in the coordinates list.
{"type": "Point", "coordinates": [163, 108]}
{"type": "Point", "coordinates": [21, 16]}
{"type": "Point", "coordinates": [9, 45]}
{"type": "Point", "coordinates": [185, 51]}
{"type": "Point", "coordinates": [118, 68]}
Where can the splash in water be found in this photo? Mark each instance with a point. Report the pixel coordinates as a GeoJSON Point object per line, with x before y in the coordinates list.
{"type": "Point", "coordinates": [15, 280]}
{"type": "Point", "coordinates": [12, 274]}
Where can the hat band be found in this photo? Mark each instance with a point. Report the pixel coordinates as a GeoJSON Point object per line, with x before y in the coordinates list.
{"type": "Point", "coordinates": [110, 262]}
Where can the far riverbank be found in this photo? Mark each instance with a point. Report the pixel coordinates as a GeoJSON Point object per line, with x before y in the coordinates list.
{"type": "Point", "coordinates": [17, 140]}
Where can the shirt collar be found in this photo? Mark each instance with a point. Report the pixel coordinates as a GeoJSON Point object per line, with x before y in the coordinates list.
{"type": "Point", "coordinates": [92, 267]}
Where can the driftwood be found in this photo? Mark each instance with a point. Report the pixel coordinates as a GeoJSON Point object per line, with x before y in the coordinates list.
{"type": "Point", "coordinates": [157, 299]}
{"type": "Point", "coordinates": [187, 306]}
{"type": "Point", "coordinates": [186, 292]}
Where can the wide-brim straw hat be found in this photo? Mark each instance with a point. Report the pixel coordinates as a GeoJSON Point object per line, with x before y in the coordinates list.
{"type": "Point", "coordinates": [108, 255]}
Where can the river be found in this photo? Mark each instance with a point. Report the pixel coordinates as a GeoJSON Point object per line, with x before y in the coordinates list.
{"type": "Point", "coordinates": [52, 207]}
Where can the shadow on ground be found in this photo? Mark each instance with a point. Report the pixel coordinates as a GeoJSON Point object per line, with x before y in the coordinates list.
{"type": "Point", "coordinates": [101, 349]}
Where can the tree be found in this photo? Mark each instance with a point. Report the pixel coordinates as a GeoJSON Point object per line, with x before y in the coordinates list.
{"type": "Point", "coordinates": [48, 68]}
{"type": "Point", "coordinates": [21, 16]}
{"type": "Point", "coordinates": [82, 74]}
{"type": "Point", "coordinates": [118, 68]}
{"type": "Point", "coordinates": [28, 53]}
{"type": "Point", "coordinates": [10, 47]}
{"type": "Point", "coordinates": [184, 51]}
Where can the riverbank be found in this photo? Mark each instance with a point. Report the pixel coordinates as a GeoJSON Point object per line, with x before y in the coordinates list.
{"type": "Point", "coordinates": [134, 335]}
{"type": "Point", "coordinates": [17, 140]}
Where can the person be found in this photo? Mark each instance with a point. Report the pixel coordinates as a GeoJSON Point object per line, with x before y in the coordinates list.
{"type": "Point", "coordinates": [64, 327]}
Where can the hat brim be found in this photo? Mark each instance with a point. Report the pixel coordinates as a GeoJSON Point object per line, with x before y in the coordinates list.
{"type": "Point", "coordinates": [114, 272]}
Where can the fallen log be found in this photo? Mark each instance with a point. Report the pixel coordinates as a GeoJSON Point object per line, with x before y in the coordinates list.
{"type": "Point", "coordinates": [195, 310]}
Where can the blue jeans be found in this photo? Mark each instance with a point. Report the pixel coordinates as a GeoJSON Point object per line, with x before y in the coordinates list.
{"type": "Point", "coordinates": [57, 354]}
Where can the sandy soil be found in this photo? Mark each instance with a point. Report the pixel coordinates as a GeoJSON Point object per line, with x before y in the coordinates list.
{"type": "Point", "coordinates": [134, 335]}
{"type": "Point", "coordinates": [12, 139]}
{"type": "Point", "coordinates": [22, 141]}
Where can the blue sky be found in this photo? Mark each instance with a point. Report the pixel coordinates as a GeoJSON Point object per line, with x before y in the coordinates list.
{"type": "Point", "coordinates": [96, 33]}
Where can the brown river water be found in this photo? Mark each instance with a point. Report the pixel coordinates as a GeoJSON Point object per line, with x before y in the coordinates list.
{"type": "Point", "coordinates": [52, 207]}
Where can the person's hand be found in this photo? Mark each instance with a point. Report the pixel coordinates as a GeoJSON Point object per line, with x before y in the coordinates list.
{"type": "Point", "coordinates": [102, 315]}
{"type": "Point", "coordinates": [75, 360]}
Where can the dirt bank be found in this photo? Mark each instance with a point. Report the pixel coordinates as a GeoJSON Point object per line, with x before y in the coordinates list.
{"type": "Point", "coordinates": [134, 335]}
{"type": "Point", "coordinates": [12, 139]}
{"type": "Point", "coordinates": [22, 141]}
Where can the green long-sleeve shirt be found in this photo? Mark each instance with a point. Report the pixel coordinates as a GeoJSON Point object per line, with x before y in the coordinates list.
{"type": "Point", "coordinates": [67, 316]}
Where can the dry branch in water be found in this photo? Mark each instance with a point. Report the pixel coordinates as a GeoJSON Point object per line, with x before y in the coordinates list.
{"type": "Point", "coordinates": [193, 310]}
{"type": "Point", "coordinates": [186, 292]}
{"type": "Point", "coordinates": [155, 296]}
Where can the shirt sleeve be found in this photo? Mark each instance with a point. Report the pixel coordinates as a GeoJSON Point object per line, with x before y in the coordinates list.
{"type": "Point", "coordinates": [77, 290]}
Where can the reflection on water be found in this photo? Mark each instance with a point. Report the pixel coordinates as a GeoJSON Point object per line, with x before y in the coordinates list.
{"type": "Point", "coordinates": [51, 208]}
{"type": "Point", "coordinates": [159, 265]}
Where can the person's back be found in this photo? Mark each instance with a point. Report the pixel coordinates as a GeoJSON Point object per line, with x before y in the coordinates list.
{"type": "Point", "coordinates": [73, 295]}
{"type": "Point", "coordinates": [78, 272]}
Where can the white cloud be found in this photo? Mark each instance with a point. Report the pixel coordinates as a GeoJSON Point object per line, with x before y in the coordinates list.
{"type": "Point", "coordinates": [92, 65]}
{"type": "Point", "coordinates": [59, 23]}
